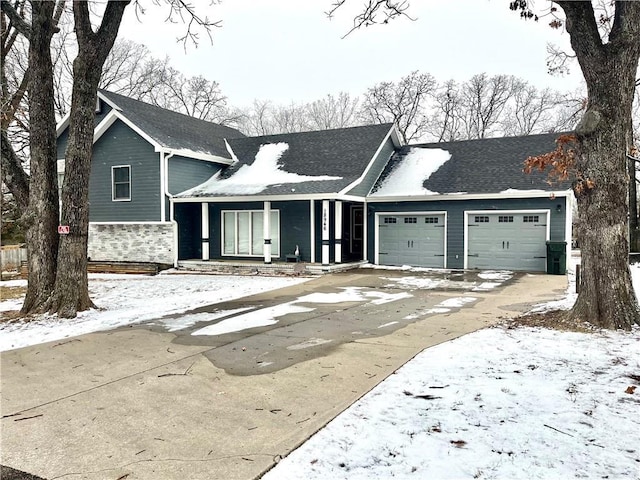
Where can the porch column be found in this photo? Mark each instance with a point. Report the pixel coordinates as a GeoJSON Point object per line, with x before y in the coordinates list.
{"type": "Point", "coordinates": [325, 233]}
{"type": "Point", "coordinates": [312, 229]}
{"type": "Point", "coordinates": [266, 223]}
{"type": "Point", "coordinates": [338, 231]}
{"type": "Point", "coordinates": [205, 231]}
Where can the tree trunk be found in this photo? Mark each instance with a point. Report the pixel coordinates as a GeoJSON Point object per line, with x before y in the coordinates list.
{"type": "Point", "coordinates": [71, 293]}
{"type": "Point", "coordinates": [606, 298]}
{"type": "Point", "coordinates": [41, 235]}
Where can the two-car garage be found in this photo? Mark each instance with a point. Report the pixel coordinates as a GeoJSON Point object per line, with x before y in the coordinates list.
{"type": "Point", "coordinates": [493, 239]}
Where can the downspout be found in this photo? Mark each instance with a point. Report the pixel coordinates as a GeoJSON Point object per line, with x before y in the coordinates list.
{"type": "Point", "coordinates": [166, 193]}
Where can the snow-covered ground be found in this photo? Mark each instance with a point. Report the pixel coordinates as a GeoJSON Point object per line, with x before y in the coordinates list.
{"type": "Point", "coordinates": [128, 299]}
{"type": "Point", "coordinates": [501, 403]}
{"type": "Point", "coordinates": [514, 403]}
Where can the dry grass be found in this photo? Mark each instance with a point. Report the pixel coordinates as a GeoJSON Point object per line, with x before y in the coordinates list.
{"type": "Point", "coordinates": [556, 319]}
{"type": "Point", "coordinates": [8, 293]}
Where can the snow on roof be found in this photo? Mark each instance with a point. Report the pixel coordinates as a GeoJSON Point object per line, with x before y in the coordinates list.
{"type": "Point", "coordinates": [515, 190]}
{"type": "Point", "coordinates": [251, 179]}
{"type": "Point", "coordinates": [415, 168]}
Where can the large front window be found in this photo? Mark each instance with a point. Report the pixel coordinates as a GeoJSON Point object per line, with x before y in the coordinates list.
{"type": "Point", "coordinates": [243, 233]}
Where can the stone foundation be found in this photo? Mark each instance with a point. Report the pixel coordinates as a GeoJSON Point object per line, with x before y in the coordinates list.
{"type": "Point", "coordinates": [132, 242]}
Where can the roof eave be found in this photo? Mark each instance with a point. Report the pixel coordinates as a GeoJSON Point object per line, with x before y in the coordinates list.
{"type": "Point", "coordinates": [471, 196]}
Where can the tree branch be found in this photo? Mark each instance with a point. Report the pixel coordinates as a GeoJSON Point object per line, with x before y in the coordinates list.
{"type": "Point", "coordinates": [583, 29]}
{"type": "Point", "coordinates": [18, 22]}
{"type": "Point", "coordinates": [13, 175]}
{"type": "Point", "coordinates": [372, 10]}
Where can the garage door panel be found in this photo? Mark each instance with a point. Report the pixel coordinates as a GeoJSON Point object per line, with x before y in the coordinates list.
{"type": "Point", "coordinates": [507, 241]}
{"type": "Point", "coordinates": [416, 240]}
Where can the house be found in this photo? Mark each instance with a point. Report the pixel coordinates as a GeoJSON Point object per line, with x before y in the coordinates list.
{"type": "Point", "coordinates": [357, 194]}
{"type": "Point", "coordinates": [166, 188]}
{"type": "Point", "coordinates": [142, 155]}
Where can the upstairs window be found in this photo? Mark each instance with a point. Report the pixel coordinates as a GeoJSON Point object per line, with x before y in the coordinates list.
{"type": "Point", "coordinates": [121, 183]}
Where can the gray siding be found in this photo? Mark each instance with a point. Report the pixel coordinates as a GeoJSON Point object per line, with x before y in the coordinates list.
{"type": "Point", "coordinates": [374, 172]}
{"type": "Point", "coordinates": [455, 219]}
{"type": "Point", "coordinates": [64, 136]}
{"type": "Point", "coordinates": [104, 110]}
{"type": "Point", "coordinates": [61, 143]}
{"type": "Point", "coordinates": [294, 228]}
{"type": "Point", "coordinates": [122, 146]}
{"type": "Point", "coordinates": [186, 173]}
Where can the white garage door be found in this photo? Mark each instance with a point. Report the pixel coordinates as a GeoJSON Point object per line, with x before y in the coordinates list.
{"type": "Point", "coordinates": [412, 239]}
{"type": "Point", "coordinates": [506, 240]}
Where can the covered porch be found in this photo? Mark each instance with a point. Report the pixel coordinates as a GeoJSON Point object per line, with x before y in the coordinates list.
{"type": "Point", "coordinates": [232, 234]}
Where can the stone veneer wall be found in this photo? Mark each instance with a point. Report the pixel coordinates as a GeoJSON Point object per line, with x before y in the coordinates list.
{"type": "Point", "coordinates": [132, 242]}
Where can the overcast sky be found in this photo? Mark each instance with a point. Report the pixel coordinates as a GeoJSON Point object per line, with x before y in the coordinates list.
{"type": "Point", "coordinates": [288, 50]}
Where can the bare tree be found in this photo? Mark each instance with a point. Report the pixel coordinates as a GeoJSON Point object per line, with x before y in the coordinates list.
{"type": "Point", "coordinates": [444, 122]}
{"type": "Point", "coordinates": [36, 193]}
{"type": "Point", "coordinates": [403, 103]}
{"type": "Point", "coordinates": [529, 110]}
{"type": "Point", "coordinates": [609, 63]}
{"type": "Point", "coordinates": [333, 111]}
{"type": "Point", "coordinates": [482, 101]}
{"type": "Point", "coordinates": [62, 290]}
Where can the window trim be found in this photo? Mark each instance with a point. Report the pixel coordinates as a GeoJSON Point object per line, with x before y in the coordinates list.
{"type": "Point", "coordinates": [275, 247]}
{"type": "Point", "coordinates": [113, 184]}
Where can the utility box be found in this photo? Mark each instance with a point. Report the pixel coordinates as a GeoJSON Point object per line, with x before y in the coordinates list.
{"type": "Point", "coordinates": [557, 258]}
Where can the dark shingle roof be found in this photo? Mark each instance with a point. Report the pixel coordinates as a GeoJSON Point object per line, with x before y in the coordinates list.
{"type": "Point", "coordinates": [175, 130]}
{"type": "Point", "coordinates": [489, 165]}
{"type": "Point", "coordinates": [343, 153]}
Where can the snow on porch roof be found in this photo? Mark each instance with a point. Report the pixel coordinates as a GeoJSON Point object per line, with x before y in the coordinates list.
{"type": "Point", "coordinates": [254, 178]}
{"type": "Point", "coordinates": [315, 162]}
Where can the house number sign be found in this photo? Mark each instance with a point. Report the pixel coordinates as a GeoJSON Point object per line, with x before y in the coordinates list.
{"type": "Point", "coordinates": [63, 229]}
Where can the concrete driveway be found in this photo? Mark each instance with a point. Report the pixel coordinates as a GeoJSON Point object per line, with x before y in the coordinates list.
{"type": "Point", "coordinates": [193, 397]}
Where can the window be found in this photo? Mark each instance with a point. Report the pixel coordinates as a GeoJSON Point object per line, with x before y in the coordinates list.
{"type": "Point", "coordinates": [243, 234]}
{"type": "Point", "coordinates": [481, 219]}
{"type": "Point", "coordinates": [121, 183]}
{"type": "Point", "coordinates": [60, 170]}
{"type": "Point", "coordinates": [505, 219]}
{"type": "Point", "coordinates": [410, 220]}
{"type": "Point", "coordinates": [390, 220]}
{"type": "Point", "coordinates": [531, 219]}
{"type": "Point", "coordinates": [431, 220]}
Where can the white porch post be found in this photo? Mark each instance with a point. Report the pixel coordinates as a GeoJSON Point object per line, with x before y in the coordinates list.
{"type": "Point", "coordinates": [312, 220]}
{"type": "Point", "coordinates": [266, 223]}
{"type": "Point", "coordinates": [325, 233]}
{"type": "Point", "coordinates": [338, 231]}
{"type": "Point", "coordinates": [205, 231]}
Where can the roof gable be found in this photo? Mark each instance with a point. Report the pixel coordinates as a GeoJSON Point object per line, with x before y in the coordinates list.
{"type": "Point", "coordinates": [172, 130]}
{"type": "Point", "coordinates": [481, 166]}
